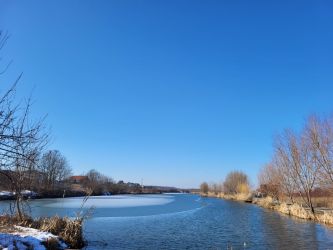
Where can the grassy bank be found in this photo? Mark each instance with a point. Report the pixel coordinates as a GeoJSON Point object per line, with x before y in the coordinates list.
{"type": "Point", "coordinates": [68, 231]}
{"type": "Point", "coordinates": [322, 215]}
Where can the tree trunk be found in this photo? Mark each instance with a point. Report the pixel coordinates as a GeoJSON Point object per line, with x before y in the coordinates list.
{"type": "Point", "coordinates": [18, 207]}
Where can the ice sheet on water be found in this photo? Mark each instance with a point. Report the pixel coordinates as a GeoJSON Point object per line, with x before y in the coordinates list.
{"type": "Point", "coordinates": [149, 216]}
{"type": "Point", "coordinates": [114, 201]}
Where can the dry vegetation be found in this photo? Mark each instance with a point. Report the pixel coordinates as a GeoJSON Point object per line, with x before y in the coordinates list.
{"type": "Point", "coordinates": [300, 175]}
{"type": "Point", "coordinates": [298, 181]}
{"type": "Point", "coordinates": [235, 187]}
{"type": "Point", "coordinates": [25, 165]}
{"type": "Point", "coordinates": [296, 210]}
{"type": "Point", "coordinates": [69, 230]}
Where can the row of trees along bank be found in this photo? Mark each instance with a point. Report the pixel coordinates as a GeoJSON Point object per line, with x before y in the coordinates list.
{"type": "Point", "coordinates": [236, 185]}
{"type": "Point", "coordinates": [45, 175]}
{"type": "Point", "coordinates": [302, 164]}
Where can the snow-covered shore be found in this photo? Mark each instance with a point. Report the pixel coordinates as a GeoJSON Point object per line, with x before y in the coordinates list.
{"type": "Point", "coordinates": [27, 238]}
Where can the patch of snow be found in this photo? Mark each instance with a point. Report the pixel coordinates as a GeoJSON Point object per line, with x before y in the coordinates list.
{"type": "Point", "coordinates": [6, 193]}
{"type": "Point", "coordinates": [26, 238]}
{"type": "Point", "coordinates": [28, 192]}
{"type": "Point", "coordinates": [11, 241]}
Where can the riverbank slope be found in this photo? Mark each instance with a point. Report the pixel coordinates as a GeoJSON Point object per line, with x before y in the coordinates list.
{"type": "Point", "coordinates": [322, 215]}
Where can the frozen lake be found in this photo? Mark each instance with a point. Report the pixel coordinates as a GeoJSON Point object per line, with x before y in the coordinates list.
{"type": "Point", "coordinates": [183, 221]}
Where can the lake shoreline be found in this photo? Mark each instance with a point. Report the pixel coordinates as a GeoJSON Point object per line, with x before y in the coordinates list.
{"type": "Point", "coordinates": [81, 195]}
{"type": "Point", "coordinates": [220, 219]}
{"type": "Point", "coordinates": [55, 227]}
{"type": "Point", "coordinates": [292, 210]}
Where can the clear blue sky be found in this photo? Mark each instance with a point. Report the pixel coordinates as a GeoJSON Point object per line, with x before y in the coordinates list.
{"type": "Point", "coordinates": [173, 92]}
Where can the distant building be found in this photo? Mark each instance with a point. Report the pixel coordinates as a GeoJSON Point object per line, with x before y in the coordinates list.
{"type": "Point", "coordinates": [78, 179]}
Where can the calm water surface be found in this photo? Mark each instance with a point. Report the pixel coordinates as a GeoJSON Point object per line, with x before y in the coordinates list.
{"type": "Point", "coordinates": [181, 221]}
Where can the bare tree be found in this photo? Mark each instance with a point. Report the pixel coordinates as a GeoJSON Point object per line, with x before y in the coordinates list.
{"type": "Point", "coordinates": [236, 182]}
{"type": "Point", "coordinates": [20, 139]}
{"type": "Point", "coordinates": [320, 135]}
{"type": "Point", "coordinates": [54, 168]}
{"type": "Point", "coordinates": [20, 145]}
{"type": "Point", "coordinates": [204, 188]}
{"type": "Point", "coordinates": [98, 182]}
{"type": "Point", "coordinates": [270, 180]}
{"type": "Point", "coordinates": [283, 165]}
{"type": "Point", "coordinates": [214, 187]}
{"type": "Point", "coordinates": [304, 169]}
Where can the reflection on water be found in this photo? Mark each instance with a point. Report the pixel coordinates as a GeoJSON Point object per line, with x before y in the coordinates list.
{"type": "Point", "coordinates": [187, 222]}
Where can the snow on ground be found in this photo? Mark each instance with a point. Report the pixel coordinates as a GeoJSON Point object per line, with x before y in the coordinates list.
{"type": "Point", "coordinates": [26, 238]}
{"type": "Point", "coordinates": [6, 193]}
{"type": "Point", "coordinates": [11, 242]}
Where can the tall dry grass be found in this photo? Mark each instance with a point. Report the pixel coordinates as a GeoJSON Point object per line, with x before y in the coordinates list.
{"type": "Point", "coordinates": [326, 217]}
{"type": "Point", "coordinates": [246, 196]}
{"type": "Point", "coordinates": [69, 230]}
{"type": "Point", "coordinates": [297, 210]}
{"type": "Point", "coordinates": [324, 201]}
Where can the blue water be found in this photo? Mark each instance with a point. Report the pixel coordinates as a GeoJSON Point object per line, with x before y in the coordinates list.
{"type": "Point", "coordinates": [182, 221]}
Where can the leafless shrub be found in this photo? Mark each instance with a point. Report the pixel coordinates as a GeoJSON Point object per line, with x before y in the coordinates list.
{"type": "Point", "coordinates": [236, 182]}
{"type": "Point", "coordinates": [54, 169]}
{"type": "Point", "coordinates": [204, 188]}
{"type": "Point", "coordinates": [302, 161]}
{"type": "Point", "coordinates": [270, 181]}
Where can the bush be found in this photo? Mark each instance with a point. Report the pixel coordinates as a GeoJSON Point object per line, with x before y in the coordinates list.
{"type": "Point", "coordinates": [68, 229]}
{"type": "Point", "coordinates": [243, 188]}
{"type": "Point", "coordinates": [236, 182]}
{"type": "Point", "coordinates": [204, 188]}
